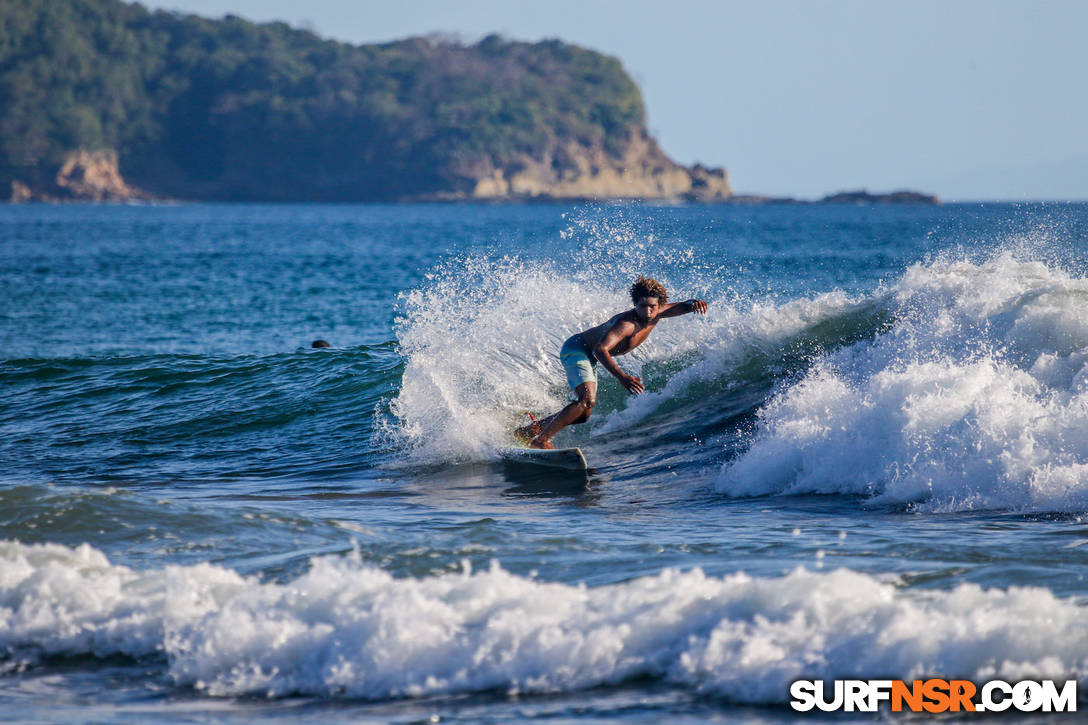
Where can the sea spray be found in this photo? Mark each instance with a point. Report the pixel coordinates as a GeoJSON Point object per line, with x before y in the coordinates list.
{"type": "Point", "coordinates": [480, 341]}
{"type": "Point", "coordinates": [481, 335]}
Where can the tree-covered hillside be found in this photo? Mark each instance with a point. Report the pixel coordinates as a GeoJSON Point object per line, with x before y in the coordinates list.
{"type": "Point", "coordinates": [229, 109]}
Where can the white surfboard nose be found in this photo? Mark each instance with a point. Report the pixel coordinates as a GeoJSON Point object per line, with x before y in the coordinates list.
{"type": "Point", "coordinates": [570, 459]}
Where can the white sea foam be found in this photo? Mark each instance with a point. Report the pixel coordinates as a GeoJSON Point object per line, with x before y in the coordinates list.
{"type": "Point", "coordinates": [348, 629]}
{"type": "Point", "coordinates": [976, 398]}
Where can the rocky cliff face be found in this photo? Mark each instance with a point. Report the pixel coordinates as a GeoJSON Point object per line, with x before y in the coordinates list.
{"type": "Point", "coordinates": [82, 176]}
{"type": "Point", "coordinates": [569, 170]}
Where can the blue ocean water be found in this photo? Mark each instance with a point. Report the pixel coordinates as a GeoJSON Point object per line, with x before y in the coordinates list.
{"type": "Point", "coordinates": [870, 459]}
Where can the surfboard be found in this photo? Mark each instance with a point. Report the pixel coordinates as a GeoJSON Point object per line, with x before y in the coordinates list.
{"type": "Point", "coordinates": [568, 459]}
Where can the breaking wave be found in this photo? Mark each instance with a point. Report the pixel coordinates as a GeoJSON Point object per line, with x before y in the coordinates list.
{"type": "Point", "coordinates": [975, 398]}
{"type": "Point", "coordinates": [348, 629]}
{"type": "Point", "coordinates": [481, 342]}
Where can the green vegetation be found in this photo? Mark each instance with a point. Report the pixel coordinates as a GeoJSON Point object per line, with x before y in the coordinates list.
{"type": "Point", "coordinates": [229, 109]}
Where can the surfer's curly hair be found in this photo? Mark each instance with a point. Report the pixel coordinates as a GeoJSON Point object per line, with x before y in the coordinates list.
{"type": "Point", "coordinates": [648, 287]}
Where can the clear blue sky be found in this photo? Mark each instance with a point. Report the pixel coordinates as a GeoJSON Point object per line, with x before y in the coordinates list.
{"type": "Point", "coordinates": [969, 99]}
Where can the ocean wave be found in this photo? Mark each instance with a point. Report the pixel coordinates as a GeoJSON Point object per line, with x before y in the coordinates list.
{"type": "Point", "coordinates": [145, 412]}
{"type": "Point", "coordinates": [975, 398]}
{"type": "Point", "coordinates": [347, 629]}
{"type": "Point", "coordinates": [961, 385]}
{"type": "Point", "coordinates": [481, 343]}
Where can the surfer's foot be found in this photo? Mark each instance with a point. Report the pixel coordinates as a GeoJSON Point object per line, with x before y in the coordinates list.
{"type": "Point", "coordinates": [527, 433]}
{"type": "Point", "coordinates": [539, 442]}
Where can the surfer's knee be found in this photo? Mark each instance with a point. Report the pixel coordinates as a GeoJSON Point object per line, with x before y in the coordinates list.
{"type": "Point", "coordinates": [587, 396]}
{"type": "Point", "coordinates": [585, 404]}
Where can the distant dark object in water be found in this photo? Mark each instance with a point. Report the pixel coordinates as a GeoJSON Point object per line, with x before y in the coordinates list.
{"type": "Point", "coordinates": [895, 197]}
{"type": "Point", "coordinates": [843, 197]}
{"type": "Point", "coordinates": [319, 343]}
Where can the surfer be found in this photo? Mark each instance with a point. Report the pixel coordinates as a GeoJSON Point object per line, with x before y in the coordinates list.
{"type": "Point", "coordinates": [619, 336]}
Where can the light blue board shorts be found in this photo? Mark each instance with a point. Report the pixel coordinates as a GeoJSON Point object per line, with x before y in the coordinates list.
{"type": "Point", "coordinates": [581, 367]}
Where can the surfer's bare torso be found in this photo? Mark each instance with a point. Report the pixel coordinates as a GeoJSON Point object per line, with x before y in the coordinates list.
{"type": "Point", "coordinates": [630, 330]}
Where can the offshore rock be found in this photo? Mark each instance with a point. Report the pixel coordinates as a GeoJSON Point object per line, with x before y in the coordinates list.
{"type": "Point", "coordinates": [863, 196]}
{"type": "Point", "coordinates": [843, 197]}
{"type": "Point", "coordinates": [709, 184]}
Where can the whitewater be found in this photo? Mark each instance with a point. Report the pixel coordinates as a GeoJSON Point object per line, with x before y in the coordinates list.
{"type": "Point", "coordinates": [868, 460]}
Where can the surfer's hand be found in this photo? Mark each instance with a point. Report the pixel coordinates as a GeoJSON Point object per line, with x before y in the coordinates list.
{"type": "Point", "coordinates": [633, 385]}
{"type": "Point", "coordinates": [697, 306]}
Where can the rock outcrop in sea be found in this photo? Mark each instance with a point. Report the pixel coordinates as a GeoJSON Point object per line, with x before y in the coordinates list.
{"type": "Point", "coordinates": [861, 197]}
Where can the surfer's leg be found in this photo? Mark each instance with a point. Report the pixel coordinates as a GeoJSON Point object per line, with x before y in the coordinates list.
{"type": "Point", "coordinates": [582, 378]}
{"type": "Point", "coordinates": [587, 396]}
{"type": "Point", "coordinates": [577, 412]}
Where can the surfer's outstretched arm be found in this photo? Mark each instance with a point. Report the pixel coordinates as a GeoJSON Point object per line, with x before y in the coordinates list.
{"type": "Point", "coordinates": [675, 309]}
